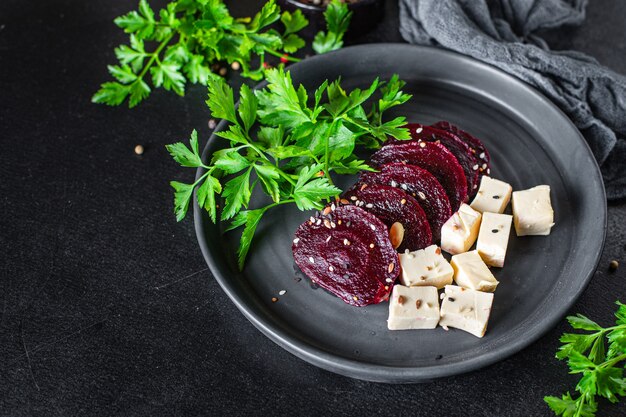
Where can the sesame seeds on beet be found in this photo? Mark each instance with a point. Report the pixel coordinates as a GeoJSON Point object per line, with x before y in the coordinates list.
{"type": "Point", "coordinates": [393, 205]}
{"type": "Point", "coordinates": [359, 273]}
{"type": "Point", "coordinates": [421, 185]}
{"type": "Point", "coordinates": [434, 158]}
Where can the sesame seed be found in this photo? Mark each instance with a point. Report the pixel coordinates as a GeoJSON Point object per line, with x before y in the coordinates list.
{"type": "Point", "coordinates": [312, 219]}
{"type": "Point", "coordinates": [445, 327]}
{"type": "Point", "coordinates": [318, 222]}
{"type": "Point", "coordinates": [339, 221]}
{"type": "Point", "coordinates": [331, 269]}
{"type": "Point", "coordinates": [496, 197]}
{"type": "Point", "coordinates": [475, 167]}
{"type": "Point", "coordinates": [327, 223]}
{"type": "Point", "coordinates": [400, 300]}
{"type": "Point", "coordinates": [296, 240]}
{"type": "Point", "coordinates": [212, 124]}
{"type": "Point", "coordinates": [274, 299]}
{"type": "Point", "coordinates": [139, 150]}
{"type": "Point", "coordinates": [613, 265]}
{"type": "Point", "coordinates": [333, 225]}
{"type": "Point", "coordinates": [282, 292]}
{"type": "Point", "coordinates": [363, 187]}
{"type": "Point", "coordinates": [327, 239]}
{"type": "Point", "coordinates": [355, 298]}
{"type": "Point", "coordinates": [373, 227]}
{"type": "Point", "coordinates": [372, 245]}
{"type": "Point", "coordinates": [484, 166]}
{"type": "Point", "coordinates": [442, 296]}
{"type": "Point", "coordinates": [394, 184]}
{"type": "Point", "coordinates": [346, 242]}
{"type": "Point", "coordinates": [235, 66]}
{"type": "Point", "coordinates": [403, 201]}
{"type": "Point", "coordinates": [389, 280]}
{"type": "Point", "coordinates": [404, 186]}
{"type": "Point", "coordinates": [422, 195]}
{"type": "Point", "coordinates": [482, 155]}
{"type": "Point", "coordinates": [419, 130]}
{"type": "Point", "coordinates": [369, 205]}
{"type": "Point", "coordinates": [494, 231]}
{"type": "Point", "coordinates": [353, 198]}
{"type": "Point", "coordinates": [326, 211]}
{"type": "Point", "coordinates": [390, 267]}
{"type": "Point", "coordinates": [418, 304]}
{"type": "Point", "coordinates": [311, 259]}
{"type": "Point", "coordinates": [332, 206]}
{"type": "Point", "coordinates": [422, 145]}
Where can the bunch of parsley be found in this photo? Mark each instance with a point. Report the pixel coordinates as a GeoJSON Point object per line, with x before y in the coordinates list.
{"type": "Point", "coordinates": [602, 371]}
{"type": "Point", "coordinates": [286, 141]}
{"type": "Point", "coordinates": [189, 36]}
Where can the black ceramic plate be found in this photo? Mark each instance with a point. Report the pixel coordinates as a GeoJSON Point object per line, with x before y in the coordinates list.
{"type": "Point", "coordinates": [531, 142]}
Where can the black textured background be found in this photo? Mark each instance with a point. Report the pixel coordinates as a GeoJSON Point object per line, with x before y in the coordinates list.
{"type": "Point", "coordinates": [106, 306]}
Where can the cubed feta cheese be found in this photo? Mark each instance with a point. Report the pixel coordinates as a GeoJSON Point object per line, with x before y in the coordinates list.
{"type": "Point", "coordinates": [459, 233]}
{"type": "Point", "coordinates": [467, 310]}
{"type": "Point", "coordinates": [532, 211]}
{"type": "Point", "coordinates": [493, 238]}
{"type": "Point", "coordinates": [425, 267]}
{"type": "Point", "coordinates": [470, 271]}
{"type": "Point", "coordinates": [413, 308]}
{"type": "Point", "coordinates": [493, 196]}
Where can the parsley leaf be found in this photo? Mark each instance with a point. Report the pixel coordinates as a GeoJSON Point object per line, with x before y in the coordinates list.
{"type": "Point", "coordinates": [280, 139]}
{"type": "Point", "coordinates": [602, 372]}
{"type": "Point", "coordinates": [188, 39]}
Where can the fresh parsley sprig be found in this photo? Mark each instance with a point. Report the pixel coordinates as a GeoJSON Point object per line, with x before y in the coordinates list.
{"type": "Point", "coordinates": [286, 141]}
{"type": "Point", "coordinates": [181, 44]}
{"type": "Point", "coordinates": [602, 370]}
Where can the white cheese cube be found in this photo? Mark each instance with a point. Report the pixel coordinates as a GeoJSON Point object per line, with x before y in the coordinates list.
{"type": "Point", "coordinates": [470, 271]}
{"type": "Point", "coordinates": [493, 238]}
{"type": "Point", "coordinates": [532, 211]}
{"type": "Point", "coordinates": [425, 267]}
{"type": "Point", "coordinates": [413, 308]}
{"type": "Point", "coordinates": [459, 233]}
{"type": "Point", "coordinates": [467, 310]}
{"type": "Point", "coordinates": [493, 196]}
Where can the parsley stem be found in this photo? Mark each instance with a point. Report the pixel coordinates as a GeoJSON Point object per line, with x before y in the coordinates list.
{"type": "Point", "coordinates": [613, 361]}
{"type": "Point", "coordinates": [154, 56]}
{"type": "Point", "coordinates": [286, 57]}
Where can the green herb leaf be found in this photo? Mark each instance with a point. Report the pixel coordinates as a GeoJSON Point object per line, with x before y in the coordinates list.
{"type": "Point", "coordinates": [187, 157]}
{"type": "Point", "coordinates": [293, 22]}
{"type": "Point", "coordinates": [182, 197]}
{"type": "Point", "coordinates": [247, 107]}
{"type": "Point", "coordinates": [251, 219]}
{"type": "Point", "coordinates": [111, 93]}
{"type": "Point", "coordinates": [602, 373]}
{"type": "Point", "coordinates": [206, 195]}
{"type": "Point", "coordinates": [237, 194]}
{"type": "Point", "coordinates": [221, 101]}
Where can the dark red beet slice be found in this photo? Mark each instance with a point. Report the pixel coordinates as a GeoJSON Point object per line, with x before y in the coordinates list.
{"type": "Point", "coordinates": [393, 205]}
{"type": "Point", "coordinates": [348, 252]}
{"type": "Point", "coordinates": [459, 148]}
{"type": "Point", "coordinates": [434, 158]}
{"type": "Point", "coordinates": [478, 148]}
{"type": "Point", "coordinates": [420, 184]}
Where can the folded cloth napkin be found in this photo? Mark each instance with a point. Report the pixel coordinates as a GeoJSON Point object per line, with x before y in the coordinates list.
{"type": "Point", "coordinates": [503, 33]}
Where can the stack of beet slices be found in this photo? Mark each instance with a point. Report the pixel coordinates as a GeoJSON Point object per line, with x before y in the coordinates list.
{"type": "Point", "coordinates": [347, 248]}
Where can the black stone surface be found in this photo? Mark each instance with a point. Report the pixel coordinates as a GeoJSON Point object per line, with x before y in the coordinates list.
{"type": "Point", "coordinates": [106, 306]}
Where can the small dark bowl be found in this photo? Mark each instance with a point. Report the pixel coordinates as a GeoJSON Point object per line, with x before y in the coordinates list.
{"type": "Point", "coordinates": [365, 16]}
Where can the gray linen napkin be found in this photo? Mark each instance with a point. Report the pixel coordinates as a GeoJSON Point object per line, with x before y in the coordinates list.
{"type": "Point", "coordinates": [503, 33]}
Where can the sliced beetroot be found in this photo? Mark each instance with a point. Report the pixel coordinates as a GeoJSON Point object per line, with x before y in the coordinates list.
{"type": "Point", "coordinates": [347, 252]}
{"type": "Point", "coordinates": [478, 148]}
{"type": "Point", "coordinates": [421, 185]}
{"type": "Point", "coordinates": [393, 205]}
{"type": "Point", "coordinates": [432, 157]}
{"type": "Point", "coordinates": [459, 148]}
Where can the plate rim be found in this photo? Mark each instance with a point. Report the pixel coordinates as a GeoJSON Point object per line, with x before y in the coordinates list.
{"type": "Point", "coordinates": [387, 373]}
